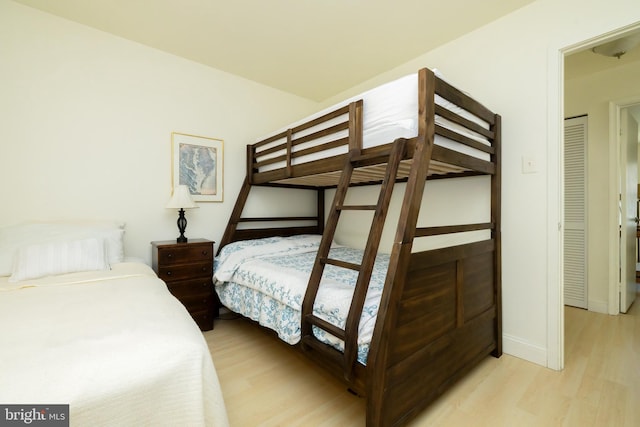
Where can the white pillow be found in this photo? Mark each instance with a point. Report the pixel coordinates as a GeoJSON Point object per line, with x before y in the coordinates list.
{"type": "Point", "coordinates": [52, 258]}
{"type": "Point", "coordinates": [16, 236]}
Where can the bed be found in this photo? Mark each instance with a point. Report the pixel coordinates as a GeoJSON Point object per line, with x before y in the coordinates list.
{"type": "Point", "coordinates": [265, 280]}
{"type": "Point", "coordinates": [81, 325]}
{"type": "Point", "coordinates": [410, 321]}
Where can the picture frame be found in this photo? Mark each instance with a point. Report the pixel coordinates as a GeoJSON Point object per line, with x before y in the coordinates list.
{"type": "Point", "coordinates": [198, 162]}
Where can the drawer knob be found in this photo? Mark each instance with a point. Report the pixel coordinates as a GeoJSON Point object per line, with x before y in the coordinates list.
{"type": "Point", "coordinates": [204, 269]}
{"type": "Point", "coordinates": [205, 252]}
{"type": "Point", "coordinates": [169, 255]}
{"type": "Point", "coordinates": [168, 273]}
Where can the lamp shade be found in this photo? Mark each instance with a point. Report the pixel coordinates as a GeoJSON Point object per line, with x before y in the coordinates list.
{"type": "Point", "coordinates": [181, 198]}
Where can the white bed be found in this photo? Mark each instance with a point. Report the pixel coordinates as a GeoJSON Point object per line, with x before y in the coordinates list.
{"type": "Point", "coordinates": [390, 111]}
{"type": "Point", "coordinates": [112, 343]}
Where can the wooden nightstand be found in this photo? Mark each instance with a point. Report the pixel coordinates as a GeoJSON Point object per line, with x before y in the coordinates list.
{"type": "Point", "coordinates": [187, 269]}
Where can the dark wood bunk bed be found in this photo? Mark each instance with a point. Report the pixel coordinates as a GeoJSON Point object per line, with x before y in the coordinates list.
{"type": "Point", "coordinates": [440, 310]}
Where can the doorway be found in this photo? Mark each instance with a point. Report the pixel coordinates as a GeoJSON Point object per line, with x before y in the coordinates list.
{"type": "Point", "coordinates": [603, 179]}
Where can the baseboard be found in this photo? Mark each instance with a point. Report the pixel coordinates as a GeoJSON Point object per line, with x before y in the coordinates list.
{"type": "Point", "coordinates": [521, 349]}
{"type": "Point", "coordinates": [598, 306]}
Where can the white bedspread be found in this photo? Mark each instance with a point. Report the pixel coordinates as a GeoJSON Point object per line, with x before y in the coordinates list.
{"type": "Point", "coordinates": [266, 279]}
{"type": "Point", "coordinates": [114, 345]}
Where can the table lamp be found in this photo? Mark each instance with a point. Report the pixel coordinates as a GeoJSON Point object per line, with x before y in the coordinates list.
{"type": "Point", "coordinates": [182, 200]}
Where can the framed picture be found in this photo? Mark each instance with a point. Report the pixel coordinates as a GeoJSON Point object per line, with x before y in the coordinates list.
{"type": "Point", "coordinates": [197, 163]}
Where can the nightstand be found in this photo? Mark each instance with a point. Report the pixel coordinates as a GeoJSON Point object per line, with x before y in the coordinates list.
{"type": "Point", "coordinates": [187, 269]}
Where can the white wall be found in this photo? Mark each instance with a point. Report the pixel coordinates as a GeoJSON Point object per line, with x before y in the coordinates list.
{"type": "Point", "coordinates": [86, 121]}
{"type": "Point", "coordinates": [514, 66]}
{"type": "Point", "coordinates": [591, 95]}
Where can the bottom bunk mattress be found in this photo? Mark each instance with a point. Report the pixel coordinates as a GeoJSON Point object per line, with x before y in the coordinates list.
{"type": "Point", "coordinates": [113, 344]}
{"type": "Point", "coordinates": [266, 279]}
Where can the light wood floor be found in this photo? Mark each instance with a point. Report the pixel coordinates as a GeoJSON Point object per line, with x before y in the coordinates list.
{"type": "Point", "coordinates": [266, 383]}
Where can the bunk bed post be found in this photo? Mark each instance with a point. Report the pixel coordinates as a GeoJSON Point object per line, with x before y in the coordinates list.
{"type": "Point", "coordinates": [320, 210]}
{"type": "Point", "coordinates": [251, 150]}
{"type": "Point", "coordinates": [355, 127]}
{"type": "Point", "coordinates": [401, 251]}
{"type": "Point", "coordinates": [496, 218]}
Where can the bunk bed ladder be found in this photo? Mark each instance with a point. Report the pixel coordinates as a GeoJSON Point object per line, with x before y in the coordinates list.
{"type": "Point", "coordinates": [349, 335]}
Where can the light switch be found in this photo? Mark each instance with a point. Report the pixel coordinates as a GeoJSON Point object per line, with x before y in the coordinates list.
{"type": "Point", "coordinates": [529, 164]}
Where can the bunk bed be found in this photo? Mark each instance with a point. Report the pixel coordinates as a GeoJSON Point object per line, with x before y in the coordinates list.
{"type": "Point", "coordinates": [438, 310]}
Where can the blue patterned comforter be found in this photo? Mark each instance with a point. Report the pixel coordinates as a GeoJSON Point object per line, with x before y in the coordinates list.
{"type": "Point", "coordinates": [265, 280]}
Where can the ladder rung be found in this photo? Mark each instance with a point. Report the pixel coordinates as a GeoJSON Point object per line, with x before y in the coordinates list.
{"type": "Point", "coordinates": [357, 207]}
{"type": "Point", "coordinates": [343, 264]}
{"type": "Point", "coordinates": [323, 324]}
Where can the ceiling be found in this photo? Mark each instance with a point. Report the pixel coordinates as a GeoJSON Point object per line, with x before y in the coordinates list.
{"type": "Point", "coordinates": [311, 48]}
{"type": "Point", "coordinates": [587, 62]}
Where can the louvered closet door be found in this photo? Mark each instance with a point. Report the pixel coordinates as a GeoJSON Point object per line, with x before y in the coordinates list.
{"type": "Point", "coordinates": [575, 207]}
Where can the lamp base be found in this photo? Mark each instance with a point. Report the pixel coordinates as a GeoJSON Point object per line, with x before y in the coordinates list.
{"type": "Point", "coordinates": [182, 225]}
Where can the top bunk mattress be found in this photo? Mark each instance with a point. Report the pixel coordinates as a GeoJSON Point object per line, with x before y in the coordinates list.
{"type": "Point", "coordinates": [390, 111]}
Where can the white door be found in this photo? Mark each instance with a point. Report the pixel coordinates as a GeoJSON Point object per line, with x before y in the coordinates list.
{"type": "Point", "coordinates": [575, 235]}
{"type": "Point", "coordinates": [629, 199]}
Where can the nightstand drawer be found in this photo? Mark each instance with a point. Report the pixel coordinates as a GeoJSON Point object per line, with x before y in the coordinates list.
{"type": "Point", "coordinates": [185, 271]}
{"type": "Point", "coordinates": [204, 319]}
{"type": "Point", "coordinates": [197, 303]}
{"type": "Point", "coordinates": [186, 288]}
{"type": "Point", "coordinates": [177, 254]}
